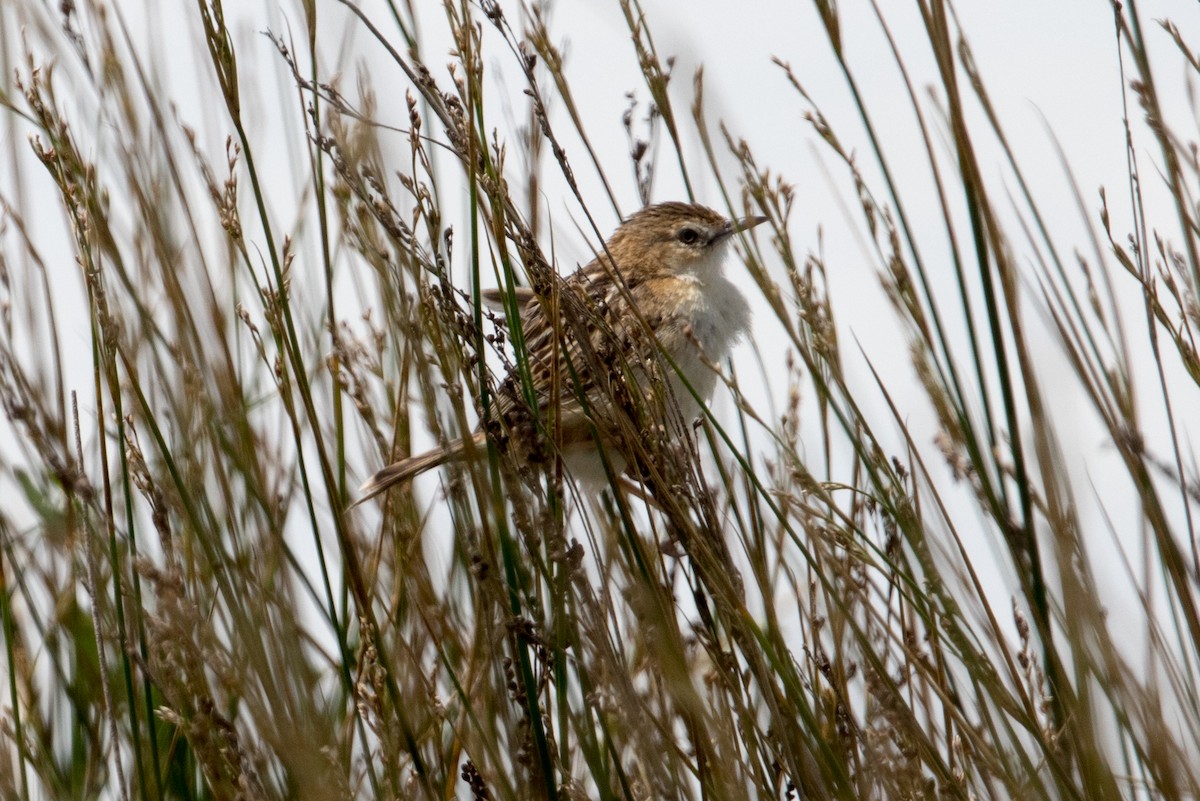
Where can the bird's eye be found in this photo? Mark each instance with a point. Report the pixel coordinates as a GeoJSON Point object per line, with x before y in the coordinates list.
{"type": "Point", "coordinates": [689, 236]}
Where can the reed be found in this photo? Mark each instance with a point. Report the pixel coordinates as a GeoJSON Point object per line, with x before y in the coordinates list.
{"type": "Point", "coordinates": [212, 329]}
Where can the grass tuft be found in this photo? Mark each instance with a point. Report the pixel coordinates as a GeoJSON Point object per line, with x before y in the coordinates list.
{"type": "Point", "coordinates": [216, 317]}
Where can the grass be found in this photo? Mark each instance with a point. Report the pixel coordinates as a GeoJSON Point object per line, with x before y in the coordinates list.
{"type": "Point", "coordinates": [196, 374]}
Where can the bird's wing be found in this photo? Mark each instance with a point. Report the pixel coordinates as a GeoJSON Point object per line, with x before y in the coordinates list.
{"type": "Point", "coordinates": [577, 350]}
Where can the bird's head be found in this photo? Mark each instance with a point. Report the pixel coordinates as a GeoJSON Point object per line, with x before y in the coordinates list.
{"type": "Point", "coordinates": [674, 237]}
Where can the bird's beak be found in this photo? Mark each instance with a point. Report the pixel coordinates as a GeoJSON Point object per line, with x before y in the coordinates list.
{"type": "Point", "coordinates": [734, 226]}
{"type": "Point", "coordinates": [745, 224]}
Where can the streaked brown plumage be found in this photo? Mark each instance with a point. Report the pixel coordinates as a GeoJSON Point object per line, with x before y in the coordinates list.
{"type": "Point", "coordinates": [665, 262]}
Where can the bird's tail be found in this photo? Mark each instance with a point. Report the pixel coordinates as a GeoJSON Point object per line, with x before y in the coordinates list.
{"type": "Point", "coordinates": [409, 468]}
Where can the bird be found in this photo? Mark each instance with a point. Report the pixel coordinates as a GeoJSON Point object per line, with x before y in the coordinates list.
{"type": "Point", "coordinates": [657, 286]}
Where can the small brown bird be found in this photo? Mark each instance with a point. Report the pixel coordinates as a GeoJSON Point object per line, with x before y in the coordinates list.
{"type": "Point", "coordinates": [661, 272]}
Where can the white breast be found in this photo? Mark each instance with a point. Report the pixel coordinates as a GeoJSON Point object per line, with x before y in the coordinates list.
{"type": "Point", "coordinates": [720, 315]}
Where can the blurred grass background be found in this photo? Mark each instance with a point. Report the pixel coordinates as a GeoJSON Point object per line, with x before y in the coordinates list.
{"type": "Point", "coordinates": [215, 328]}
